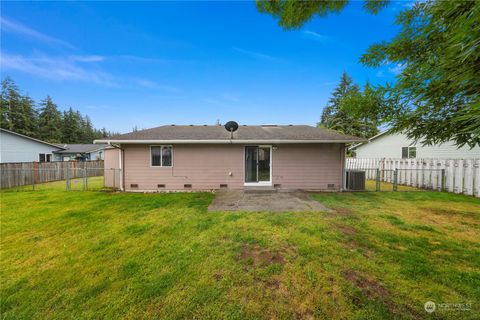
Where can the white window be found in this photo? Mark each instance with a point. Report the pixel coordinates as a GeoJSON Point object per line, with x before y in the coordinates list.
{"type": "Point", "coordinates": [161, 156]}
{"type": "Point", "coordinates": [44, 157]}
{"type": "Point", "coordinates": [409, 152]}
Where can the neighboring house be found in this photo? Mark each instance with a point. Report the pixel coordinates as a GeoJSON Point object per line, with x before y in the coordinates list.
{"type": "Point", "coordinates": [397, 145]}
{"type": "Point", "coordinates": [208, 157]}
{"type": "Point", "coordinates": [81, 152]}
{"type": "Point", "coordinates": [15, 147]}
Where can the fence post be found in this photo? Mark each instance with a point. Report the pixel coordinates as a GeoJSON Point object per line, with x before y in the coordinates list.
{"type": "Point", "coordinates": [395, 180]}
{"type": "Point", "coordinates": [67, 187]}
{"type": "Point", "coordinates": [86, 179]}
{"type": "Point", "coordinates": [377, 180]}
{"type": "Point", "coordinates": [33, 178]}
{"type": "Point", "coordinates": [444, 176]}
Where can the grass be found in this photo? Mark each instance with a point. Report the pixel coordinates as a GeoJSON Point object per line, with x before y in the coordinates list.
{"type": "Point", "coordinates": [97, 255]}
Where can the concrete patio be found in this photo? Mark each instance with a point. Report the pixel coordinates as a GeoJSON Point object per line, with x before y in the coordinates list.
{"type": "Point", "coordinates": [273, 201]}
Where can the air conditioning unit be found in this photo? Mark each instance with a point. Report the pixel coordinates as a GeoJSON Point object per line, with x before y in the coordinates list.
{"type": "Point", "coordinates": [355, 180]}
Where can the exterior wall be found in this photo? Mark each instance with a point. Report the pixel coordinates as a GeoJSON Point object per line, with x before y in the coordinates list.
{"type": "Point", "coordinates": [386, 146]}
{"type": "Point", "coordinates": [304, 166]}
{"type": "Point", "coordinates": [97, 155]}
{"type": "Point", "coordinates": [112, 176]}
{"type": "Point", "coordinates": [390, 146]}
{"type": "Point", "coordinates": [15, 148]}
{"type": "Point", "coordinates": [205, 167]}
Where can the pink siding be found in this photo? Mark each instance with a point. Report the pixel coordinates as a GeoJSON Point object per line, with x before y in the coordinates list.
{"type": "Point", "coordinates": [301, 166]}
{"type": "Point", "coordinates": [308, 166]}
{"type": "Point", "coordinates": [202, 166]}
{"type": "Point", "coordinates": [111, 166]}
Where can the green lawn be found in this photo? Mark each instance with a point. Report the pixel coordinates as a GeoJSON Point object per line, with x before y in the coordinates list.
{"type": "Point", "coordinates": [118, 255]}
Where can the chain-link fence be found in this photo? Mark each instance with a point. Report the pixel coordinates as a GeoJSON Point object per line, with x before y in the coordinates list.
{"type": "Point", "coordinates": [373, 179]}
{"type": "Point", "coordinates": [68, 178]}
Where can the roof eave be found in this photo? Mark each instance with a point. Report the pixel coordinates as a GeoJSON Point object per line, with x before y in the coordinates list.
{"type": "Point", "coordinates": [223, 141]}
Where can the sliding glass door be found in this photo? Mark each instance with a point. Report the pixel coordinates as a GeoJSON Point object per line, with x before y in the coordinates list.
{"type": "Point", "coordinates": [257, 164]}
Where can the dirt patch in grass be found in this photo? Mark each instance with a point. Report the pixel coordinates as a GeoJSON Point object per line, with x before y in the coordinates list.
{"type": "Point", "coordinates": [451, 212]}
{"type": "Point", "coordinates": [353, 245]}
{"type": "Point", "coordinates": [341, 212]}
{"type": "Point", "coordinates": [260, 256]}
{"type": "Point", "coordinates": [370, 288]}
{"type": "Point", "coordinates": [347, 230]}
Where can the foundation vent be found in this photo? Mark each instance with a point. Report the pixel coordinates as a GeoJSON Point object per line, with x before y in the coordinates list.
{"type": "Point", "coordinates": [277, 185]}
{"type": "Point", "coordinates": [133, 185]}
{"type": "Point", "coordinates": [330, 186]}
{"type": "Point", "coordinates": [160, 185]}
{"type": "Point", "coordinates": [187, 186]}
{"type": "Point", "coordinates": [223, 186]}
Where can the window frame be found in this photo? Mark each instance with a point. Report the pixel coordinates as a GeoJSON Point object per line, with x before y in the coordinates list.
{"type": "Point", "coordinates": [409, 148]}
{"type": "Point", "coordinates": [161, 156]}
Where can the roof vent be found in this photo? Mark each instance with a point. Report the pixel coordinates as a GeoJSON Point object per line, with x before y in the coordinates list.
{"type": "Point", "coordinates": [172, 125]}
{"type": "Point", "coordinates": [269, 125]}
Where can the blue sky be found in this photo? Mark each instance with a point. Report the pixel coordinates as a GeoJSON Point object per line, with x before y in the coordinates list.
{"type": "Point", "coordinates": [152, 63]}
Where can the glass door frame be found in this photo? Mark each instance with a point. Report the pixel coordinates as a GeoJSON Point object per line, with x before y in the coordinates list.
{"type": "Point", "coordinates": [258, 183]}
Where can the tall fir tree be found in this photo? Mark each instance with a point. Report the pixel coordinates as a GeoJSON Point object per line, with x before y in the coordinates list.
{"type": "Point", "coordinates": [10, 104]}
{"type": "Point", "coordinates": [17, 111]}
{"type": "Point", "coordinates": [50, 121]}
{"type": "Point", "coordinates": [19, 114]}
{"type": "Point", "coordinates": [339, 115]}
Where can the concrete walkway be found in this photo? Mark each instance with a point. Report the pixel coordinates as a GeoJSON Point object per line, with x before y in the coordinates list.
{"type": "Point", "coordinates": [238, 200]}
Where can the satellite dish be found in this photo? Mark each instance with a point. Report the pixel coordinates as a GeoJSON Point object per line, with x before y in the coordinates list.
{"type": "Point", "coordinates": [231, 126]}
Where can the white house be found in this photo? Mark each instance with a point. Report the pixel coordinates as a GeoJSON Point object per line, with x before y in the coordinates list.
{"type": "Point", "coordinates": [15, 147]}
{"type": "Point", "coordinates": [397, 145]}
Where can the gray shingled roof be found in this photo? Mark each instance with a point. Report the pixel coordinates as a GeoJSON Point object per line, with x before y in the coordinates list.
{"type": "Point", "coordinates": [217, 133]}
{"type": "Point", "coordinates": [80, 148]}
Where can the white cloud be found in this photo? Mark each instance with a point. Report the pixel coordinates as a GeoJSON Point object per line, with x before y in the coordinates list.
{"type": "Point", "coordinates": [88, 58]}
{"type": "Point", "coordinates": [396, 69]}
{"type": "Point", "coordinates": [18, 28]}
{"type": "Point", "coordinates": [314, 35]}
{"type": "Point", "coordinates": [56, 68]}
{"type": "Point", "coordinates": [154, 85]}
{"type": "Point", "coordinates": [258, 55]}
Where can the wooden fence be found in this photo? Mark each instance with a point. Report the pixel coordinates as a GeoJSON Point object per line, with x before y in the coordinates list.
{"type": "Point", "coordinates": [27, 173]}
{"type": "Point", "coordinates": [452, 175]}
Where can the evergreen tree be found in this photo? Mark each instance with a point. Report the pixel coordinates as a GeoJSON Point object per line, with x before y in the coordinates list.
{"type": "Point", "coordinates": [332, 109]}
{"type": "Point", "coordinates": [26, 121]}
{"type": "Point", "coordinates": [50, 121]}
{"type": "Point", "coordinates": [339, 114]}
{"type": "Point", "coordinates": [17, 112]}
{"type": "Point", "coordinates": [10, 104]}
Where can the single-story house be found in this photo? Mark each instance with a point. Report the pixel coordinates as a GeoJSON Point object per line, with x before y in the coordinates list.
{"type": "Point", "coordinates": [81, 152]}
{"type": "Point", "coordinates": [205, 157]}
{"type": "Point", "coordinates": [398, 145]}
{"type": "Point", "coordinates": [16, 147]}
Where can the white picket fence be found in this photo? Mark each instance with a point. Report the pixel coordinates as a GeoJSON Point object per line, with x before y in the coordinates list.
{"type": "Point", "coordinates": [454, 175]}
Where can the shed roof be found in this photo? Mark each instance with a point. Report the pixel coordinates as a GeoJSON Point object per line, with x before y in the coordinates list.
{"type": "Point", "coordinates": [81, 148]}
